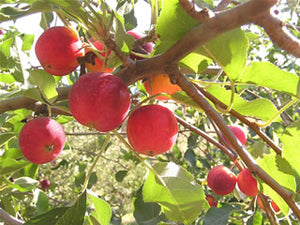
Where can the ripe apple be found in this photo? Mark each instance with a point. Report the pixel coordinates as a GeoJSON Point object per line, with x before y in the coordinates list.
{"type": "Point", "coordinates": [99, 100]}
{"type": "Point", "coordinates": [211, 201]}
{"type": "Point", "coordinates": [160, 83]}
{"type": "Point", "coordinates": [41, 140]}
{"type": "Point", "coordinates": [221, 180]}
{"type": "Point", "coordinates": [44, 184]}
{"type": "Point", "coordinates": [57, 49]}
{"type": "Point", "coordinates": [96, 64]}
{"type": "Point", "coordinates": [239, 133]}
{"type": "Point", "coordinates": [148, 47]}
{"type": "Point", "coordinates": [152, 129]}
{"type": "Point", "coordinates": [247, 183]}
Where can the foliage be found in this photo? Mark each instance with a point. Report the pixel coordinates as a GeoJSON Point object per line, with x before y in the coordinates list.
{"type": "Point", "coordinates": [256, 86]}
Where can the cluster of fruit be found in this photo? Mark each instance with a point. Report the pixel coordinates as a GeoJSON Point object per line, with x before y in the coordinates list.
{"type": "Point", "coordinates": [59, 48]}
{"type": "Point", "coordinates": [98, 99]}
{"type": "Point", "coordinates": [223, 181]}
{"type": "Point", "coordinates": [101, 100]}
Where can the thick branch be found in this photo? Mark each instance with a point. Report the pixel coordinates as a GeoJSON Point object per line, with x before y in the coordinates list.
{"type": "Point", "coordinates": [209, 29]}
{"type": "Point", "coordinates": [198, 97]}
{"type": "Point", "coordinates": [8, 219]}
{"type": "Point", "coordinates": [20, 102]}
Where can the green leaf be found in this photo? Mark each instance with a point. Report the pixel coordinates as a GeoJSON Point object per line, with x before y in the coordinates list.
{"type": "Point", "coordinates": [7, 78]}
{"type": "Point", "coordinates": [256, 219]}
{"type": "Point", "coordinates": [290, 139]}
{"type": "Point", "coordinates": [33, 93]}
{"type": "Point", "coordinates": [27, 41]}
{"type": "Point", "coordinates": [41, 201]}
{"type": "Point", "coordinates": [182, 98]}
{"type": "Point", "coordinates": [268, 75]}
{"type": "Point", "coordinates": [193, 61]}
{"type": "Point", "coordinates": [172, 24]}
{"type": "Point", "coordinates": [145, 213]}
{"type": "Point", "coordinates": [217, 216]}
{"type": "Point", "coordinates": [5, 137]}
{"type": "Point", "coordinates": [260, 108]}
{"type": "Point", "coordinates": [123, 40]}
{"type": "Point", "coordinates": [45, 83]}
{"type": "Point", "coordinates": [280, 170]}
{"type": "Point", "coordinates": [120, 175]}
{"type": "Point", "coordinates": [24, 184]}
{"type": "Point", "coordinates": [8, 165]}
{"type": "Point", "coordinates": [63, 215]}
{"type": "Point", "coordinates": [102, 212]}
{"type": "Point", "coordinates": [229, 50]}
{"type": "Point", "coordinates": [179, 196]}
{"type": "Point", "coordinates": [5, 46]}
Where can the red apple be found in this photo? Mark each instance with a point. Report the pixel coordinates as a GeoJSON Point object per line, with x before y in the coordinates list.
{"type": "Point", "coordinates": [57, 49]}
{"type": "Point", "coordinates": [152, 129]}
{"type": "Point", "coordinates": [221, 180]}
{"type": "Point", "coordinates": [211, 201]}
{"type": "Point", "coordinates": [148, 47]}
{"type": "Point", "coordinates": [44, 184]}
{"type": "Point", "coordinates": [96, 64]}
{"type": "Point", "coordinates": [41, 140]}
{"type": "Point", "coordinates": [247, 183]}
{"type": "Point", "coordinates": [99, 100]}
{"type": "Point", "coordinates": [275, 207]}
{"type": "Point", "coordinates": [239, 133]}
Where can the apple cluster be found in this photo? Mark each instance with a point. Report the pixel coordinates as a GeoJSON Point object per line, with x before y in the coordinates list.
{"type": "Point", "coordinates": [223, 181]}
{"type": "Point", "coordinates": [98, 99]}
{"type": "Point", "coordinates": [101, 100]}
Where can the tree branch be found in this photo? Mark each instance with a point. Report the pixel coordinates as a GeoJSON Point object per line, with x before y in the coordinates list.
{"type": "Point", "coordinates": [211, 28]}
{"type": "Point", "coordinates": [198, 97]}
{"type": "Point", "coordinates": [243, 119]}
{"type": "Point", "coordinates": [231, 155]}
{"type": "Point", "coordinates": [24, 102]}
{"type": "Point", "coordinates": [8, 219]}
{"type": "Point", "coordinates": [278, 33]}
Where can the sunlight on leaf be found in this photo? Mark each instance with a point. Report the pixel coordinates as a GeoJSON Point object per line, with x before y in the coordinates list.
{"type": "Point", "coordinates": [180, 197]}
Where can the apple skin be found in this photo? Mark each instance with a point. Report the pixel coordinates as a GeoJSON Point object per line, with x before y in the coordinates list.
{"type": "Point", "coordinates": [211, 201]}
{"type": "Point", "coordinates": [148, 47]}
{"type": "Point", "coordinates": [247, 183]}
{"type": "Point", "coordinates": [99, 100]}
{"type": "Point", "coordinates": [41, 140]}
{"type": "Point", "coordinates": [44, 184]}
{"type": "Point", "coordinates": [98, 66]}
{"type": "Point", "coordinates": [160, 83]}
{"type": "Point", "coordinates": [275, 207]}
{"type": "Point", "coordinates": [239, 133]}
{"type": "Point", "coordinates": [57, 49]}
{"type": "Point", "coordinates": [152, 129]}
{"type": "Point", "coordinates": [221, 180]}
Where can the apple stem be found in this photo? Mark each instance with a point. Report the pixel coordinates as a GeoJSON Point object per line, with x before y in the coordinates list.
{"type": "Point", "coordinates": [103, 147]}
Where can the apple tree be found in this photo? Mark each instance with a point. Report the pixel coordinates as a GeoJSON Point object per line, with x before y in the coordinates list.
{"type": "Point", "coordinates": [201, 107]}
